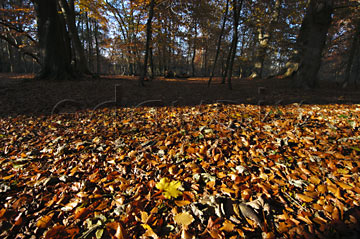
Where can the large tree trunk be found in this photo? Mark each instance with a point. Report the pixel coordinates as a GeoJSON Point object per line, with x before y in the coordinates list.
{"type": "Point", "coordinates": [352, 51]}
{"type": "Point", "coordinates": [148, 39]}
{"type": "Point", "coordinates": [54, 42]}
{"type": "Point", "coordinates": [311, 41]}
{"type": "Point", "coordinates": [69, 14]}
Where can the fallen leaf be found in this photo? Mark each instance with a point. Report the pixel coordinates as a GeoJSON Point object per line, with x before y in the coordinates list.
{"type": "Point", "coordinates": [304, 198]}
{"type": "Point", "coordinates": [44, 221]}
{"type": "Point", "coordinates": [184, 219]}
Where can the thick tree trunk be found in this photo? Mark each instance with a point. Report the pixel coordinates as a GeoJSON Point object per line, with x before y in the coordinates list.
{"type": "Point", "coordinates": [69, 14]}
{"type": "Point", "coordinates": [148, 39]}
{"type": "Point", "coordinates": [352, 51]}
{"type": "Point", "coordinates": [53, 42]}
{"type": "Point", "coordinates": [311, 41]}
{"type": "Point", "coordinates": [219, 42]}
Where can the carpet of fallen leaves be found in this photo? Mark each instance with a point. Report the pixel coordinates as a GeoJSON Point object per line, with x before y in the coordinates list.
{"type": "Point", "coordinates": [210, 171]}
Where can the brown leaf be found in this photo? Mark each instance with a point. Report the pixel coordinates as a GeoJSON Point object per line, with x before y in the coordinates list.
{"type": "Point", "coordinates": [56, 232]}
{"type": "Point", "coordinates": [44, 221]}
{"type": "Point", "coordinates": [81, 213]}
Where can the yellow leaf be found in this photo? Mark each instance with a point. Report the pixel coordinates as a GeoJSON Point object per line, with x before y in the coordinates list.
{"type": "Point", "coordinates": [170, 189]}
{"type": "Point", "coordinates": [227, 226]}
{"type": "Point", "coordinates": [184, 219]}
{"type": "Point", "coordinates": [342, 170]}
{"type": "Point", "coordinates": [304, 198]}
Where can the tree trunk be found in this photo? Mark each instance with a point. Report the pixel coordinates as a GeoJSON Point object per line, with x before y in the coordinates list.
{"type": "Point", "coordinates": [97, 47]}
{"type": "Point", "coordinates": [352, 51]}
{"type": "Point", "coordinates": [194, 51]}
{"type": "Point", "coordinates": [311, 41]}
{"type": "Point", "coordinates": [237, 8]}
{"type": "Point", "coordinates": [69, 14]}
{"type": "Point", "coordinates": [219, 42]}
{"type": "Point", "coordinates": [53, 42]}
{"type": "Point", "coordinates": [148, 39]}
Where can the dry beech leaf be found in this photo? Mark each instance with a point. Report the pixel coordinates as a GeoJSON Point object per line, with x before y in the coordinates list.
{"type": "Point", "coordinates": [249, 213]}
{"type": "Point", "coordinates": [117, 230]}
{"type": "Point", "coordinates": [57, 232]}
{"type": "Point", "coordinates": [184, 219]}
{"type": "Point", "coordinates": [181, 203]}
{"type": "Point", "coordinates": [344, 186]}
{"type": "Point", "coordinates": [44, 221]}
{"type": "Point", "coordinates": [227, 226]}
{"type": "Point", "coordinates": [304, 198]}
{"type": "Point", "coordinates": [81, 213]}
{"type": "Point", "coordinates": [186, 235]}
{"type": "Point", "coordinates": [149, 232]}
{"type": "Point", "coordinates": [322, 188]}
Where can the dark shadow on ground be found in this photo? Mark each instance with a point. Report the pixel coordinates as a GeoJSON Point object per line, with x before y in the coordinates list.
{"type": "Point", "coordinates": [20, 95]}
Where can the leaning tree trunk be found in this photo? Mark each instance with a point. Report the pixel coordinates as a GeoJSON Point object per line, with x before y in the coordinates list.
{"type": "Point", "coordinates": [148, 39]}
{"type": "Point", "coordinates": [54, 42]}
{"type": "Point", "coordinates": [311, 41]}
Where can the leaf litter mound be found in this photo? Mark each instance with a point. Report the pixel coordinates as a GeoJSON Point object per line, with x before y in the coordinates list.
{"type": "Point", "coordinates": [210, 171]}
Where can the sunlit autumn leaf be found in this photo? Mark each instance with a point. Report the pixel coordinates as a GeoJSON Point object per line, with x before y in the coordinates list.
{"type": "Point", "coordinates": [169, 188]}
{"type": "Point", "coordinates": [184, 219]}
{"type": "Point", "coordinates": [227, 226]}
{"type": "Point", "coordinates": [304, 198]}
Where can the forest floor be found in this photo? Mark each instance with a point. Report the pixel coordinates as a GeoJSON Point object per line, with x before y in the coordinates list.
{"type": "Point", "coordinates": [192, 171]}
{"type": "Point", "coordinates": [19, 94]}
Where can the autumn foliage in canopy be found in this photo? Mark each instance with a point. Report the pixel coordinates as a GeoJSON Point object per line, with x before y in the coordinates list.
{"type": "Point", "coordinates": [210, 171]}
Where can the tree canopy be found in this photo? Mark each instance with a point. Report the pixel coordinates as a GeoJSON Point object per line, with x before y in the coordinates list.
{"type": "Point", "coordinates": [267, 38]}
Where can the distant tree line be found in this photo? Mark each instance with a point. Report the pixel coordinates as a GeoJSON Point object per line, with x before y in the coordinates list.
{"type": "Point", "coordinates": [64, 39]}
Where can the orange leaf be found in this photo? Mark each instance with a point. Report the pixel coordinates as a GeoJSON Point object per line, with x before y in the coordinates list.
{"type": "Point", "coordinates": [315, 180]}
{"type": "Point", "coordinates": [181, 203]}
{"type": "Point", "coordinates": [304, 198]}
{"type": "Point", "coordinates": [81, 213]}
{"type": "Point", "coordinates": [344, 186]}
{"type": "Point", "coordinates": [322, 188]}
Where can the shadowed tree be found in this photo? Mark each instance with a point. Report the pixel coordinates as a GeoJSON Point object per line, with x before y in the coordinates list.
{"type": "Point", "coordinates": [54, 42]}
{"type": "Point", "coordinates": [148, 40]}
{"type": "Point", "coordinates": [311, 42]}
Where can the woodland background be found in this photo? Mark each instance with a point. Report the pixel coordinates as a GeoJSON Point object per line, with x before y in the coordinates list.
{"type": "Point", "coordinates": [182, 38]}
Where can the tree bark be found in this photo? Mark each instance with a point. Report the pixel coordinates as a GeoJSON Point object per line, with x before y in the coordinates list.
{"type": "Point", "coordinates": [311, 41]}
{"type": "Point", "coordinates": [194, 50]}
{"type": "Point", "coordinates": [69, 14]}
{"type": "Point", "coordinates": [236, 8]}
{"type": "Point", "coordinates": [219, 42]}
{"type": "Point", "coordinates": [352, 51]}
{"type": "Point", "coordinates": [148, 39]}
{"type": "Point", "coordinates": [54, 44]}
